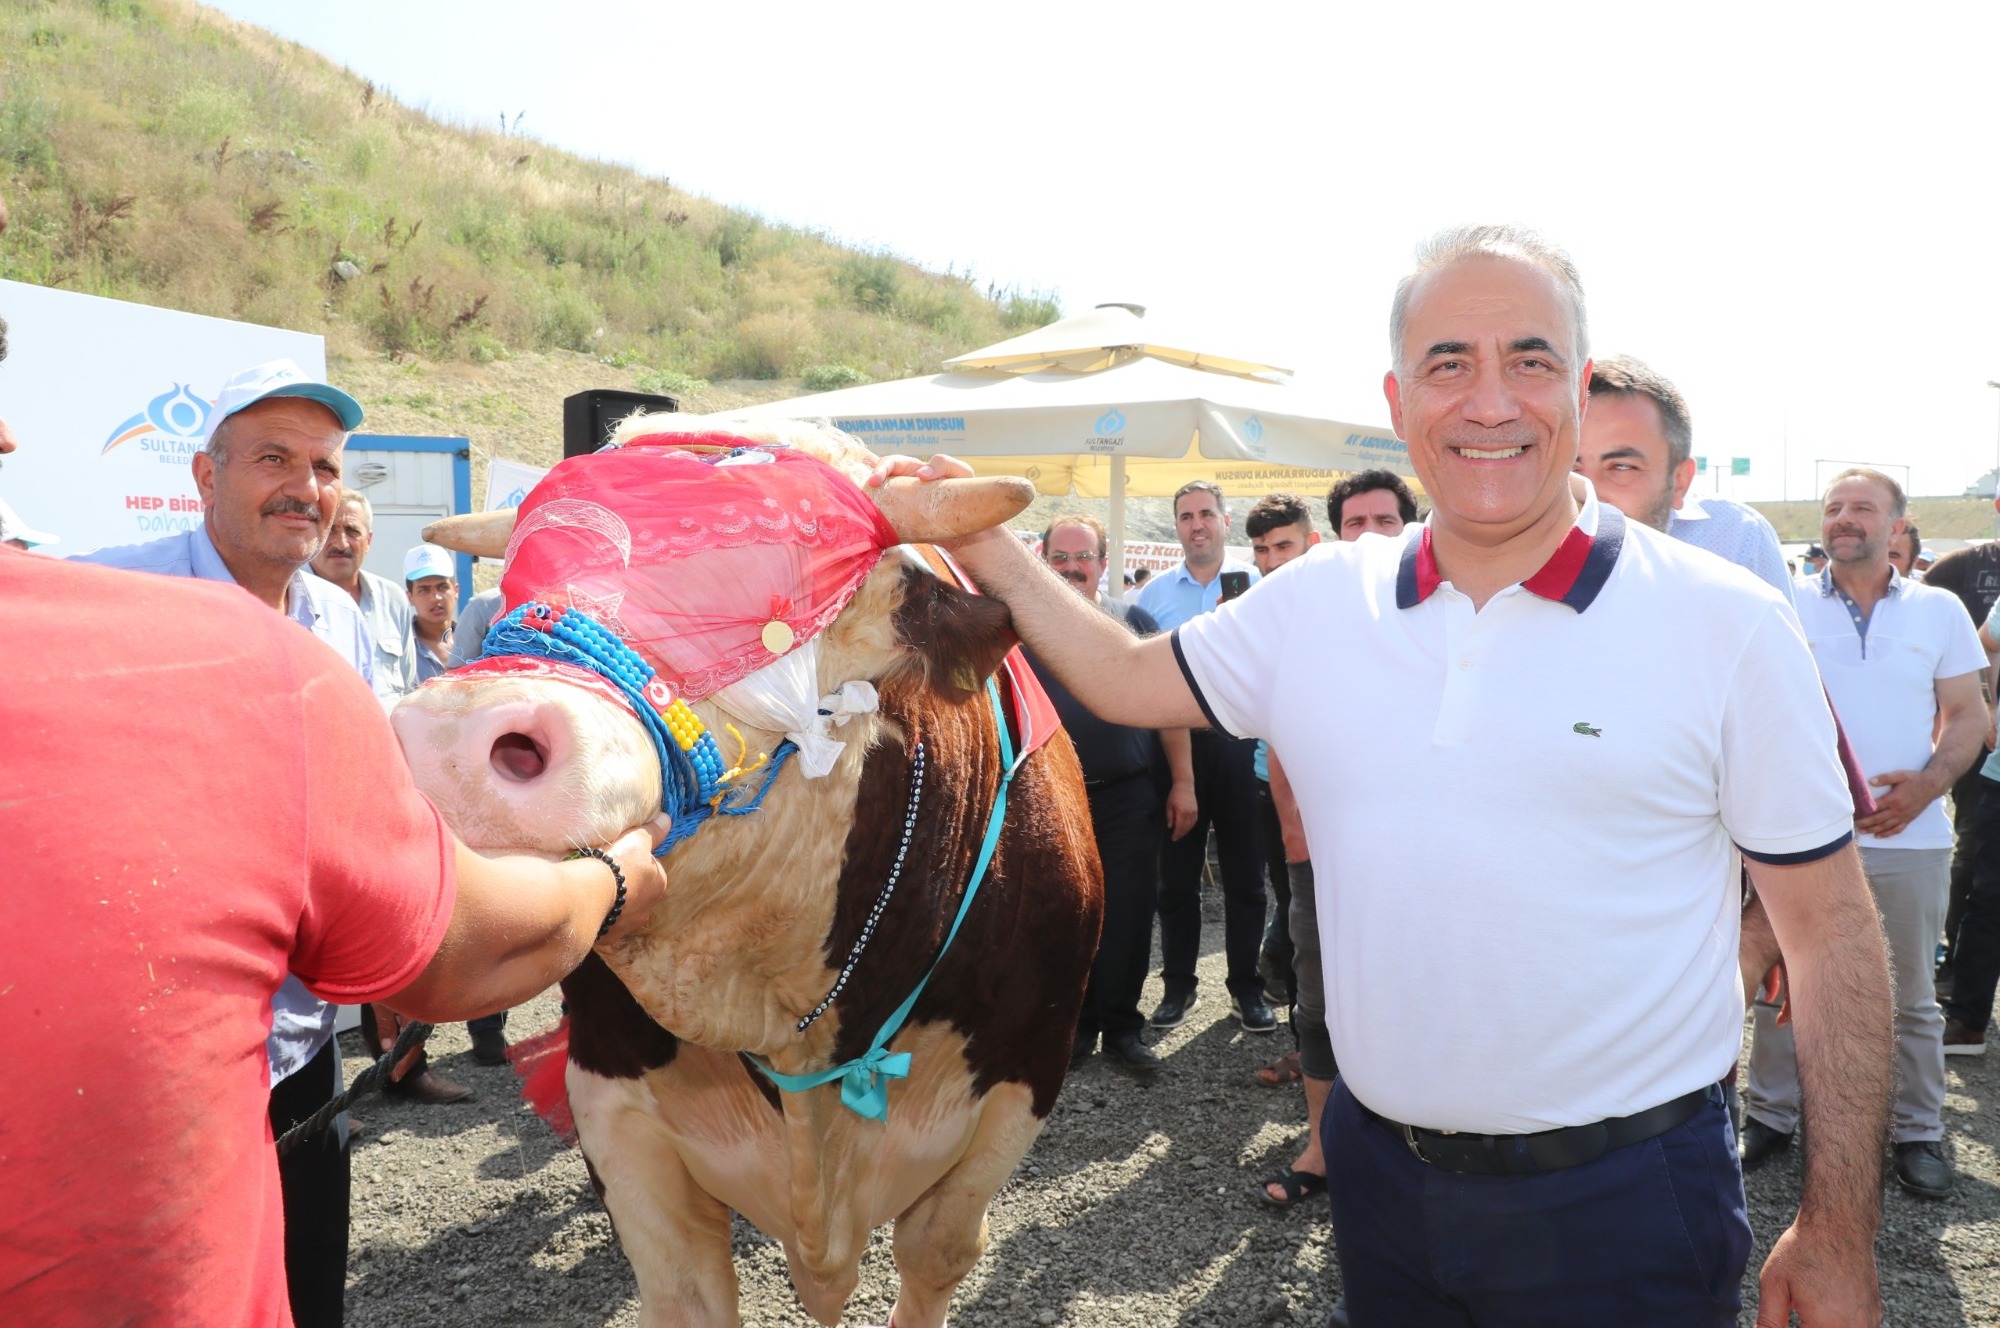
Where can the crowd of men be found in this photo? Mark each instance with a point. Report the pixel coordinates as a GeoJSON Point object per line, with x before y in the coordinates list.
{"type": "Point", "coordinates": [1900, 664]}
{"type": "Point", "coordinates": [1598, 727]}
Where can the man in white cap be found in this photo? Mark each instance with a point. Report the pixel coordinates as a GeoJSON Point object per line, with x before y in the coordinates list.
{"type": "Point", "coordinates": [386, 610]}
{"type": "Point", "coordinates": [18, 533]}
{"type": "Point", "coordinates": [431, 582]}
{"type": "Point", "coordinates": [269, 477]}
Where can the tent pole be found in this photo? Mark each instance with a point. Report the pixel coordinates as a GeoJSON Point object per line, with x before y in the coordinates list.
{"type": "Point", "coordinates": [1114, 572]}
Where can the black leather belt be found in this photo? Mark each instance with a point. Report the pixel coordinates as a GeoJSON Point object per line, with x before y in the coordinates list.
{"type": "Point", "coordinates": [1546, 1150]}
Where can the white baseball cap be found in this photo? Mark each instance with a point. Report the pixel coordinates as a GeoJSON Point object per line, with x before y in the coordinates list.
{"type": "Point", "coordinates": [428, 560]}
{"type": "Point", "coordinates": [13, 528]}
{"type": "Point", "coordinates": [279, 378]}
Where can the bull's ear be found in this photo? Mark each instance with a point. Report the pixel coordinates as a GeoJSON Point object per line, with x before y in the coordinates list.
{"type": "Point", "coordinates": [960, 638]}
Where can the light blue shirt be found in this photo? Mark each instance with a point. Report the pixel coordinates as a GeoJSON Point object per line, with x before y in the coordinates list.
{"type": "Point", "coordinates": [469, 637]}
{"type": "Point", "coordinates": [1173, 597]}
{"type": "Point", "coordinates": [385, 608]}
{"type": "Point", "coordinates": [1735, 532]}
{"type": "Point", "coordinates": [301, 1023]}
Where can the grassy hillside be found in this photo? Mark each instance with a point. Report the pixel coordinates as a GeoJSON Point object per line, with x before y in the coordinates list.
{"type": "Point", "coordinates": [156, 151]}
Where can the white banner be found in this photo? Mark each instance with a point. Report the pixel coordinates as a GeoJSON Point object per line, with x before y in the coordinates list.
{"type": "Point", "coordinates": [508, 483]}
{"type": "Point", "coordinates": [109, 402]}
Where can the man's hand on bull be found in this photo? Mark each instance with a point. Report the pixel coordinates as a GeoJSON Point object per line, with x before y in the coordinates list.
{"type": "Point", "coordinates": [1121, 678]}
{"type": "Point", "coordinates": [941, 466]}
{"type": "Point", "coordinates": [644, 882]}
{"type": "Point", "coordinates": [519, 923]}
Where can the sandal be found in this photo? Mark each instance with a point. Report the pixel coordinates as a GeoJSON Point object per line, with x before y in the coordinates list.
{"type": "Point", "coordinates": [1296, 1184]}
{"type": "Point", "coordinates": [1281, 1072]}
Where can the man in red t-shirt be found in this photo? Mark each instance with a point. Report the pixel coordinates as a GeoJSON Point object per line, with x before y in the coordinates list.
{"type": "Point", "coordinates": [196, 797]}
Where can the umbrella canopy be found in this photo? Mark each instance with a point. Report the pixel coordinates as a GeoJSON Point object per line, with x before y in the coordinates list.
{"type": "Point", "coordinates": [1068, 431]}
{"type": "Point", "coordinates": [1110, 404]}
{"type": "Point", "coordinates": [1112, 334]}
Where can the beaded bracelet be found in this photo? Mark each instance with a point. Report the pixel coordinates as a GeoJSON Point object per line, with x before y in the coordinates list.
{"type": "Point", "coordinates": [617, 905]}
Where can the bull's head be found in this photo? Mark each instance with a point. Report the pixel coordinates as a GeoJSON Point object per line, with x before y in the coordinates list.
{"type": "Point", "coordinates": [541, 764]}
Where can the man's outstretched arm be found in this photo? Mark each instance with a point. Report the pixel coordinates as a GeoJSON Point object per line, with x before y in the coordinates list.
{"type": "Point", "coordinates": [519, 924]}
{"type": "Point", "coordinates": [1837, 970]}
{"type": "Point", "coordinates": [1121, 678]}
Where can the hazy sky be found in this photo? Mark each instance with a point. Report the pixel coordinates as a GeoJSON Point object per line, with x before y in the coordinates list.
{"type": "Point", "coordinates": [1786, 210]}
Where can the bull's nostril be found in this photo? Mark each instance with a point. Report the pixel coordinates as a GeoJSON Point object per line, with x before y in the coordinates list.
{"type": "Point", "coordinates": [518, 757]}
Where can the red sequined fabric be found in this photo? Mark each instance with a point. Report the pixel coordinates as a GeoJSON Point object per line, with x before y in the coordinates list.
{"type": "Point", "coordinates": [690, 547]}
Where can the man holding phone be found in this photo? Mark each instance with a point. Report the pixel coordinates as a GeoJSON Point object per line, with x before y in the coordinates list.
{"type": "Point", "coordinates": [1225, 788]}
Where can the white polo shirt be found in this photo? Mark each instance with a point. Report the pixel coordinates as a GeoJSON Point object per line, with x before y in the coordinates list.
{"type": "Point", "coordinates": [1522, 818]}
{"type": "Point", "coordinates": [1882, 674]}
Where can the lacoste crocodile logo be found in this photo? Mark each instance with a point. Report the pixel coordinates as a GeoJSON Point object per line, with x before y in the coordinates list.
{"type": "Point", "coordinates": [1586, 730]}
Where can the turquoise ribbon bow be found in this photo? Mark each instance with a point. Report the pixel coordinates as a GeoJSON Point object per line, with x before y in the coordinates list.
{"type": "Point", "coordinates": [864, 1081]}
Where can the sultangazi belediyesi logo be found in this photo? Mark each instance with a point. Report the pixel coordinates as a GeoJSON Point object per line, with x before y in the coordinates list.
{"type": "Point", "coordinates": [170, 427]}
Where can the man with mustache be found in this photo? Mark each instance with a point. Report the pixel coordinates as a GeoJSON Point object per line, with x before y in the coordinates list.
{"type": "Point", "coordinates": [1902, 664]}
{"type": "Point", "coordinates": [1120, 766]}
{"type": "Point", "coordinates": [1534, 1132]}
{"type": "Point", "coordinates": [269, 478]}
{"type": "Point", "coordinates": [385, 606]}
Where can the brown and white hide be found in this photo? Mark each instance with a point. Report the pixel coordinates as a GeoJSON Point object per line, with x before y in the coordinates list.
{"type": "Point", "coordinates": [759, 913]}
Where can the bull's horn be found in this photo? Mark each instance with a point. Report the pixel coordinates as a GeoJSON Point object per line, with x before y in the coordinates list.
{"type": "Point", "coordinates": [930, 512]}
{"type": "Point", "coordinates": [483, 534]}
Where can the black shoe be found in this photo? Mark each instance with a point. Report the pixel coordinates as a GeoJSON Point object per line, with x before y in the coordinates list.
{"type": "Point", "coordinates": [1170, 1011]}
{"type": "Point", "coordinates": [1761, 1143]}
{"type": "Point", "coordinates": [1277, 978]}
{"type": "Point", "coordinates": [1254, 1015]}
{"type": "Point", "coordinates": [1921, 1168]}
{"type": "Point", "coordinates": [1082, 1049]}
{"type": "Point", "coordinates": [1134, 1057]}
{"type": "Point", "coordinates": [1337, 1316]}
{"type": "Point", "coordinates": [489, 1046]}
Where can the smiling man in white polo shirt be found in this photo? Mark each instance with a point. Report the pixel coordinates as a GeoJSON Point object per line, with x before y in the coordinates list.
{"type": "Point", "coordinates": [1902, 664]}
{"type": "Point", "coordinates": [1532, 1133]}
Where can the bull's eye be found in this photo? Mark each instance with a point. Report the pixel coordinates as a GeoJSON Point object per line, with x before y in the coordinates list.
{"type": "Point", "coordinates": [518, 757]}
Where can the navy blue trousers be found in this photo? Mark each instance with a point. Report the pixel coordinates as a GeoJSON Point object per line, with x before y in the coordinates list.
{"type": "Point", "coordinates": [1654, 1235]}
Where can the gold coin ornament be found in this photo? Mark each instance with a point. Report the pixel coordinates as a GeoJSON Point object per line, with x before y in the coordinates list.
{"type": "Point", "coordinates": [779, 637]}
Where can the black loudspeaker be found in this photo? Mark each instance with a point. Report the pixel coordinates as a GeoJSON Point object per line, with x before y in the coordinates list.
{"type": "Point", "coordinates": [589, 417]}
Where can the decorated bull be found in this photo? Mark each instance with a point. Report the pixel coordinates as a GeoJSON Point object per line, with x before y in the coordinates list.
{"type": "Point", "coordinates": [856, 1001]}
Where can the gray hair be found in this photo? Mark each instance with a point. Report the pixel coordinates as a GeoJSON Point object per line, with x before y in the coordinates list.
{"type": "Point", "coordinates": [1459, 242]}
{"type": "Point", "coordinates": [1898, 503]}
{"type": "Point", "coordinates": [359, 499]}
{"type": "Point", "coordinates": [217, 446]}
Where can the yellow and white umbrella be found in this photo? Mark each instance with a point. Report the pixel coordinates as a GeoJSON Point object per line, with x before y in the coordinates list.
{"type": "Point", "coordinates": [1108, 418]}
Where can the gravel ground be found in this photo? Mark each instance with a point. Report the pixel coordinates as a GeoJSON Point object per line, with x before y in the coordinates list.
{"type": "Point", "coordinates": [1135, 1207]}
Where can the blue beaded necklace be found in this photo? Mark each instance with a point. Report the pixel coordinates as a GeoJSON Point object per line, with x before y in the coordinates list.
{"type": "Point", "coordinates": [695, 782]}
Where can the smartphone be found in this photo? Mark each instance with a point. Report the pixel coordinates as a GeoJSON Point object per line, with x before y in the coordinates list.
{"type": "Point", "coordinates": [1234, 584]}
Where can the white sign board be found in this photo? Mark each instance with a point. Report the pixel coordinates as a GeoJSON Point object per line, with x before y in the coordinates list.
{"type": "Point", "coordinates": [509, 482]}
{"type": "Point", "coordinates": [109, 401]}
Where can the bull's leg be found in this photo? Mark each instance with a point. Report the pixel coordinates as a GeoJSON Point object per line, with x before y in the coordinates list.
{"type": "Point", "coordinates": [676, 1236]}
{"type": "Point", "coordinates": [941, 1235]}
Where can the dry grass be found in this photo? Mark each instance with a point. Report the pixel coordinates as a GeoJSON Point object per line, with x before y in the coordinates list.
{"type": "Point", "coordinates": [156, 151]}
{"type": "Point", "coordinates": [1936, 518]}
